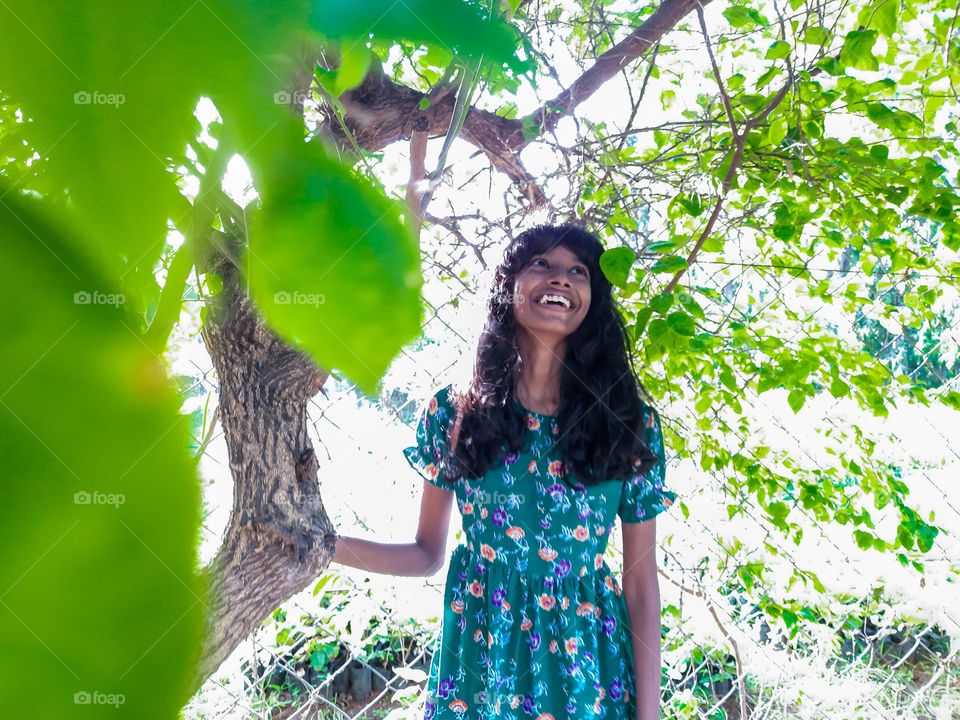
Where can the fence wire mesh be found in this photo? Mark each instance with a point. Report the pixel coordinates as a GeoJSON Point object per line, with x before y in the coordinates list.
{"type": "Point", "coordinates": [749, 630]}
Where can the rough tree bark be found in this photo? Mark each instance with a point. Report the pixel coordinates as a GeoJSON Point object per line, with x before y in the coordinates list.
{"type": "Point", "coordinates": [279, 537]}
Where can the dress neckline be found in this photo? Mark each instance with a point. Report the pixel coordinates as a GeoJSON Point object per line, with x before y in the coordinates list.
{"type": "Point", "coordinates": [518, 404]}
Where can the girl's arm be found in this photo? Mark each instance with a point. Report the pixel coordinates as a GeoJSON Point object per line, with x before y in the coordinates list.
{"type": "Point", "coordinates": [421, 558]}
{"type": "Point", "coordinates": [641, 591]}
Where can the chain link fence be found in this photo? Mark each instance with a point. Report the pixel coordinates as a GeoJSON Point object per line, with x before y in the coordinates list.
{"type": "Point", "coordinates": [759, 620]}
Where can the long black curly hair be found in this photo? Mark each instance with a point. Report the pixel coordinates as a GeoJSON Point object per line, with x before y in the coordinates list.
{"type": "Point", "coordinates": [601, 398]}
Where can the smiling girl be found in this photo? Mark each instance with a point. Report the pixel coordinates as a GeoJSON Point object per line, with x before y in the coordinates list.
{"type": "Point", "coordinates": [553, 438]}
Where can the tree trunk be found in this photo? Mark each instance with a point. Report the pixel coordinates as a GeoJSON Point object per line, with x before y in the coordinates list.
{"type": "Point", "coordinates": [279, 538]}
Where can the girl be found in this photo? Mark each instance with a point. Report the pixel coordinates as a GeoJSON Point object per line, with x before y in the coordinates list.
{"type": "Point", "coordinates": [551, 441]}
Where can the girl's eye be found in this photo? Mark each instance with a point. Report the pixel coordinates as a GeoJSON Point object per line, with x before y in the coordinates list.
{"type": "Point", "coordinates": [579, 268]}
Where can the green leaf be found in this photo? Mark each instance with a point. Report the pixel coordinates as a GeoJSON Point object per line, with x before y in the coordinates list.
{"type": "Point", "coordinates": [111, 92]}
{"type": "Point", "coordinates": [331, 266]}
{"type": "Point", "coordinates": [880, 153]}
{"type": "Point", "coordinates": [354, 63]}
{"type": "Point", "coordinates": [735, 81]}
{"type": "Point", "coordinates": [815, 35]}
{"type": "Point", "coordinates": [951, 235]}
{"type": "Point", "coordinates": [669, 264]}
{"type": "Point", "coordinates": [838, 388]}
{"type": "Point", "coordinates": [643, 317]}
{"type": "Point", "coordinates": [778, 49]}
{"type": "Point", "coordinates": [530, 128]}
{"type": "Point", "coordinates": [681, 323]}
{"type": "Point", "coordinates": [777, 131]}
{"type": "Point", "coordinates": [796, 399]}
{"type": "Point", "coordinates": [327, 79]}
{"type": "Point", "coordinates": [213, 283]}
{"type": "Point", "coordinates": [951, 399]}
{"type": "Point", "coordinates": [99, 589]}
{"type": "Point", "coordinates": [778, 511]}
{"type": "Point", "coordinates": [882, 15]}
{"type": "Point", "coordinates": [767, 76]}
{"type": "Point", "coordinates": [742, 17]}
{"type": "Point", "coordinates": [863, 539]}
{"type": "Point", "coordinates": [714, 243]}
{"type": "Point", "coordinates": [662, 302]}
{"type": "Point", "coordinates": [857, 51]}
{"type": "Point", "coordinates": [691, 305]}
{"type": "Point", "coordinates": [692, 203]}
{"type": "Point", "coordinates": [616, 264]}
{"type": "Point", "coordinates": [662, 246]}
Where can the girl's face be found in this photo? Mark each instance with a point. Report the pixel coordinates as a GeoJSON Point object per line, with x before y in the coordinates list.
{"type": "Point", "coordinates": [564, 279]}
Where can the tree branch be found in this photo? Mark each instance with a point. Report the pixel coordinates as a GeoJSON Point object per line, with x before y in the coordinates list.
{"type": "Point", "coordinates": [631, 48]}
{"type": "Point", "coordinates": [380, 111]}
{"type": "Point", "coordinates": [418, 172]}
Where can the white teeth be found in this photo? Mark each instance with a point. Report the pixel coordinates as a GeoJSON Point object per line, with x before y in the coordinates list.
{"type": "Point", "coordinates": [559, 298]}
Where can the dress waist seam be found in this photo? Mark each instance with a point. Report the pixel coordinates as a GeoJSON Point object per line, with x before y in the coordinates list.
{"type": "Point", "coordinates": [596, 574]}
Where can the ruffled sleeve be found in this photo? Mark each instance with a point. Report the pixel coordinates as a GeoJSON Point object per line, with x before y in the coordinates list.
{"type": "Point", "coordinates": [644, 495]}
{"type": "Point", "coordinates": [429, 456]}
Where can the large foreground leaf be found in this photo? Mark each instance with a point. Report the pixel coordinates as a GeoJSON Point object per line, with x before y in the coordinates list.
{"type": "Point", "coordinates": [100, 609]}
{"type": "Point", "coordinates": [331, 266]}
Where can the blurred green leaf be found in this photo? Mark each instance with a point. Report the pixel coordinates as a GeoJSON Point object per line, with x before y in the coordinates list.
{"type": "Point", "coordinates": [354, 63]}
{"type": "Point", "coordinates": [331, 265]}
{"type": "Point", "coordinates": [101, 600]}
{"type": "Point", "coordinates": [461, 28]}
{"type": "Point", "coordinates": [111, 89]}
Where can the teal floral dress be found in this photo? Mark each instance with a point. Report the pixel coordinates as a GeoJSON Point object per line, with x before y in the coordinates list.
{"type": "Point", "coordinates": [534, 623]}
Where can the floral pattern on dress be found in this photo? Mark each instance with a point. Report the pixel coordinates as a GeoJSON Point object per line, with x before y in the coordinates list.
{"type": "Point", "coordinates": [534, 621]}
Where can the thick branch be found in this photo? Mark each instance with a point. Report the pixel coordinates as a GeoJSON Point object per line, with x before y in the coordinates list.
{"type": "Point", "coordinates": [418, 172]}
{"type": "Point", "coordinates": [380, 111]}
{"type": "Point", "coordinates": [608, 65]}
